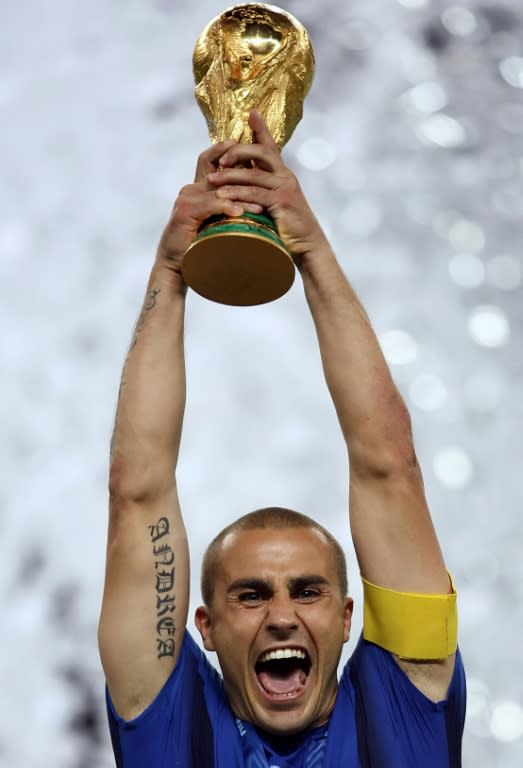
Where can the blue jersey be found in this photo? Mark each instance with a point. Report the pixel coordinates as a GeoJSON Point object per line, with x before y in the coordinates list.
{"type": "Point", "coordinates": [380, 720]}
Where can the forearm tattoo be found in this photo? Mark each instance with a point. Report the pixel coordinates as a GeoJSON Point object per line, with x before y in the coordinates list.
{"type": "Point", "coordinates": [149, 303]}
{"type": "Point", "coordinates": [164, 567]}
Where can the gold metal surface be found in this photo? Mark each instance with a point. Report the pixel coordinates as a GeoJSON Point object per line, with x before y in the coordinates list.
{"type": "Point", "coordinates": [252, 56]}
{"type": "Point", "coordinates": [238, 269]}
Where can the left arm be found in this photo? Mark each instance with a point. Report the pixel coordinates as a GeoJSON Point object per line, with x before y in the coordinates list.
{"type": "Point", "coordinates": [392, 530]}
{"type": "Point", "coordinates": [393, 535]}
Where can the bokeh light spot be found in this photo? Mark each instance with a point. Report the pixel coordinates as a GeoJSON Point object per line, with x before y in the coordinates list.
{"type": "Point", "coordinates": [443, 131]}
{"type": "Point", "coordinates": [413, 3]}
{"type": "Point", "coordinates": [316, 154]}
{"type": "Point", "coordinates": [428, 392]}
{"type": "Point", "coordinates": [506, 723]}
{"type": "Point", "coordinates": [467, 270]}
{"type": "Point", "coordinates": [459, 21]}
{"type": "Point", "coordinates": [466, 235]}
{"type": "Point", "coordinates": [511, 70]}
{"type": "Point", "coordinates": [399, 347]}
{"type": "Point", "coordinates": [489, 326]}
{"type": "Point", "coordinates": [453, 467]}
{"type": "Point", "coordinates": [427, 97]}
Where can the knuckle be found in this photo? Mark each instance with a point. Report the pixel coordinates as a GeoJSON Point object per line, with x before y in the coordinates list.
{"type": "Point", "coordinates": [285, 197]}
{"type": "Point", "coordinates": [291, 181]}
{"type": "Point", "coordinates": [182, 207]}
{"type": "Point", "coordinates": [288, 191]}
{"type": "Point", "coordinates": [224, 145]}
{"type": "Point", "coordinates": [202, 157]}
{"type": "Point", "coordinates": [185, 192]}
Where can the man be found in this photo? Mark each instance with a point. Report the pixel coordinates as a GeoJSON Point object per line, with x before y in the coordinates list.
{"type": "Point", "coordinates": [274, 584]}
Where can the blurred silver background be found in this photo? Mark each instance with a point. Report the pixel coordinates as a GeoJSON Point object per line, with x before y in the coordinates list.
{"type": "Point", "coordinates": [411, 152]}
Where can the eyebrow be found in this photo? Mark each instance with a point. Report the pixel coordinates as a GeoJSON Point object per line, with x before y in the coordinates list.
{"type": "Point", "coordinates": [300, 582]}
{"type": "Point", "coordinates": [294, 585]}
{"type": "Point", "coordinates": [259, 585]}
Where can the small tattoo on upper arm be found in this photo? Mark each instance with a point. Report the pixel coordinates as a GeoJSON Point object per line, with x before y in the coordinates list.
{"type": "Point", "coordinates": [165, 601]}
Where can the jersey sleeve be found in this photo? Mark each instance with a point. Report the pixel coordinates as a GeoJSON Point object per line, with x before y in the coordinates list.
{"type": "Point", "coordinates": [397, 725]}
{"type": "Point", "coordinates": [175, 730]}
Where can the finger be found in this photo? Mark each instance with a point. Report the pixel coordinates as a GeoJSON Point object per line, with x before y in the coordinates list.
{"type": "Point", "coordinates": [253, 208]}
{"type": "Point", "coordinates": [247, 177]}
{"type": "Point", "coordinates": [245, 195]}
{"type": "Point", "coordinates": [261, 130]}
{"type": "Point", "coordinates": [245, 154]}
{"type": "Point", "coordinates": [209, 160]}
{"type": "Point", "coordinates": [217, 206]}
{"type": "Point", "coordinates": [197, 208]}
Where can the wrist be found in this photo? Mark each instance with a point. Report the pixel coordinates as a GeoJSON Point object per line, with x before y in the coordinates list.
{"type": "Point", "coordinates": [316, 260]}
{"type": "Point", "coordinates": [167, 274]}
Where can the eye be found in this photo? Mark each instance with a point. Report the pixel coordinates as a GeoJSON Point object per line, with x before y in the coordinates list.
{"type": "Point", "coordinates": [250, 597]}
{"type": "Point", "coordinates": [308, 594]}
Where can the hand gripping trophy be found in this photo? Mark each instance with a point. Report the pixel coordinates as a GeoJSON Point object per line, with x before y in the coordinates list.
{"type": "Point", "coordinates": [252, 56]}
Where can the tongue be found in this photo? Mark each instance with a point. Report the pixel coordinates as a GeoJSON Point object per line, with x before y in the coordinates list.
{"type": "Point", "coordinates": [289, 683]}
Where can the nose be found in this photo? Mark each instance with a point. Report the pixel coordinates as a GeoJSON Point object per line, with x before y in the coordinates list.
{"type": "Point", "coordinates": [281, 616]}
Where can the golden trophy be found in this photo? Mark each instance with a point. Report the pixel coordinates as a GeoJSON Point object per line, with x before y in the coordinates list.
{"type": "Point", "coordinates": [252, 56]}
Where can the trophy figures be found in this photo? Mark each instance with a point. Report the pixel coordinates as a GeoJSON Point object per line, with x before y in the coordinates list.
{"type": "Point", "coordinates": [252, 56]}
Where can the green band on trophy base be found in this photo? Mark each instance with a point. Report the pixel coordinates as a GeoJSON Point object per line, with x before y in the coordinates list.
{"type": "Point", "coordinates": [239, 261]}
{"type": "Point", "coordinates": [249, 223]}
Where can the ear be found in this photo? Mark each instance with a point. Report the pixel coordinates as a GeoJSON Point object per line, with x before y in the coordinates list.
{"type": "Point", "coordinates": [347, 617]}
{"type": "Point", "coordinates": [203, 621]}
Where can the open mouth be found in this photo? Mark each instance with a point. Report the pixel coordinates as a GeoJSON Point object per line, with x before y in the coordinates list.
{"type": "Point", "coordinates": [283, 673]}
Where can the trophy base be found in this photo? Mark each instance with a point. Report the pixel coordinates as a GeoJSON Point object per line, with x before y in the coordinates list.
{"type": "Point", "coordinates": [239, 261]}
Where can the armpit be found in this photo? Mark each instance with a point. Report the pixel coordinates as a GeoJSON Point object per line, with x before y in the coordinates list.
{"type": "Point", "coordinates": [432, 678]}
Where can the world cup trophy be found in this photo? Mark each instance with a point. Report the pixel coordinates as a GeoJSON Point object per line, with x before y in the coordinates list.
{"type": "Point", "coordinates": [252, 56]}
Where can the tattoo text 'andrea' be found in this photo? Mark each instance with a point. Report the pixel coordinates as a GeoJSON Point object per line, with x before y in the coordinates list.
{"type": "Point", "coordinates": [164, 566]}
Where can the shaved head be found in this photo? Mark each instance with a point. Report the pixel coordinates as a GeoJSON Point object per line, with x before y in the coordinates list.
{"type": "Point", "coordinates": [270, 518]}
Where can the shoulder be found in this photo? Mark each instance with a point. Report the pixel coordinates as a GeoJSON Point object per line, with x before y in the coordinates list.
{"type": "Point", "coordinates": [192, 674]}
{"type": "Point", "coordinates": [177, 722]}
{"type": "Point", "coordinates": [394, 717]}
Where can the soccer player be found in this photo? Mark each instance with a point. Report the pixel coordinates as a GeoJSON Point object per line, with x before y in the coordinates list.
{"type": "Point", "coordinates": [274, 583]}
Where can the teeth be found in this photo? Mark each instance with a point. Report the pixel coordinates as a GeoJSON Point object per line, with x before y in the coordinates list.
{"type": "Point", "coordinates": [283, 653]}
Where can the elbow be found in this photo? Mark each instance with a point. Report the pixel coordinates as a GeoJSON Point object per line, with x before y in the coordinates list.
{"type": "Point", "coordinates": [138, 482]}
{"type": "Point", "coordinates": [383, 464]}
{"type": "Point", "coordinates": [121, 480]}
{"type": "Point", "coordinates": [386, 448]}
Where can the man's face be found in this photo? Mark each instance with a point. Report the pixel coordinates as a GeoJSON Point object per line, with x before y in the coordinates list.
{"type": "Point", "coordinates": [278, 622]}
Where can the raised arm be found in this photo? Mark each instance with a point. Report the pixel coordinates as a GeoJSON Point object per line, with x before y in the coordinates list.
{"type": "Point", "coordinates": [146, 593]}
{"type": "Point", "coordinates": [391, 526]}
{"type": "Point", "coordinates": [392, 530]}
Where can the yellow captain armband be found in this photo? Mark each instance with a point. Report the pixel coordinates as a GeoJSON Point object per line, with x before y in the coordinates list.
{"type": "Point", "coordinates": [413, 626]}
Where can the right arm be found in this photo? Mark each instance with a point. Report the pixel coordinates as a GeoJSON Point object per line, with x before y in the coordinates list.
{"type": "Point", "coordinates": [146, 593]}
